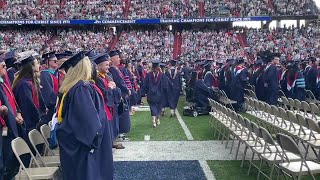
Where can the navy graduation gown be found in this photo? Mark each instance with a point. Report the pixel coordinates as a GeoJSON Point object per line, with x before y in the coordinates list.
{"type": "Point", "coordinates": [124, 117]}
{"type": "Point", "coordinates": [175, 85]}
{"type": "Point", "coordinates": [257, 81]}
{"type": "Point", "coordinates": [49, 90]}
{"type": "Point", "coordinates": [112, 98]}
{"type": "Point", "coordinates": [84, 135]}
{"type": "Point", "coordinates": [154, 86]}
{"type": "Point", "coordinates": [166, 91]}
{"type": "Point", "coordinates": [202, 93]}
{"type": "Point", "coordinates": [296, 87]}
{"type": "Point", "coordinates": [31, 111]}
{"type": "Point", "coordinates": [209, 79]}
{"type": "Point", "coordinates": [238, 85]}
{"type": "Point", "coordinates": [11, 72]}
{"type": "Point", "coordinates": [271, 82]}
{"type": "Point", "coordinates": [311, 79]}
{"type": "Point", "coordinates": [11, 165]}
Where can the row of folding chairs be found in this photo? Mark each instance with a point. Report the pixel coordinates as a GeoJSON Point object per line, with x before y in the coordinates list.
{"type": "Point", "coordinates": [309, 109]}
{"type": "Point", "coordinates": [282, 156]}
{"type": "Point", "coordinates": [303, 129]}
{"type": "Point", "coordinates": [44, 164]}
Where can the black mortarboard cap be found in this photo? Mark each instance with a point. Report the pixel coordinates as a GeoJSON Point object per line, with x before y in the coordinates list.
{"type": "Point", "coordinates": [10, 55]}
{"type": "Point", "coordinates": [49, 55]}
{"type": "Point", "coordinates": [312, 59]}
{"type": "Point", "coordinates": [73, 61]}
{"type": "Point", "coordinates": [26, 59]}
{"type": "Point", "coordinates": [100, 58]}
{"type": "Point", "coordinates": [240, 60]}
{"type": "Point", "coordinates": [113, 53]}
{"type": "Point", "coordinates": [259, 61]}
{"type": "Point", "coordinates": [162, 64]}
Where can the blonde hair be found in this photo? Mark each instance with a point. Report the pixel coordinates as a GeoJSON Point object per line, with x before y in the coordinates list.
{"type": "Point", "coordinates": [82, 71]}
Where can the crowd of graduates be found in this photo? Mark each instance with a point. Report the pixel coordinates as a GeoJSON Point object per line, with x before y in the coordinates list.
{"type": "Point", "coordinates": [87, 97]}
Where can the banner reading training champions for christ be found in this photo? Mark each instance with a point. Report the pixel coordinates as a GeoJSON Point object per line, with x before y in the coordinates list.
{"type": "Point", "coordinates": [136, 21]}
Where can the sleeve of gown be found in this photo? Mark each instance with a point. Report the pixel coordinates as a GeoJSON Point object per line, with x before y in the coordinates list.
{"type": "Point", "coordinates": [48, 94]}
{"type": "Point", "coordinates": [119, 81]}
{"type": "Point", "coordinates": [85, 124]}
{"type": "Point", "coordinates": [208, 80]}
{"type": "Point", "coordinates": [145, 85]}
{"type": "Point", "coordinates": [201, 85]}
{"type": "Point", "coordinates": [26, 104]}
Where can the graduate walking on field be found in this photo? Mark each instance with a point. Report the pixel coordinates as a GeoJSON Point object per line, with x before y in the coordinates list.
{"type": "Point", "coordinates": [154, 86]}
{"type": "Point", "coordinates": [175, 82]}
{"type": "Point", "coordinates": [83, 132]}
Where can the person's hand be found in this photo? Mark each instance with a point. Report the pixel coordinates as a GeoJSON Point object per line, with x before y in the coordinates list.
{"type": "Point", "coordinates": [19, 118]}
{"type": "Point", "coordinates": [3, 109]}
{"type": "Point", "coordinates": [112, 85]}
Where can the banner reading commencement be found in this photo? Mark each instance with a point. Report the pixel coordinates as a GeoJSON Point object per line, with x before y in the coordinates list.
{"type": "Point", "coordinates": [137, 21]}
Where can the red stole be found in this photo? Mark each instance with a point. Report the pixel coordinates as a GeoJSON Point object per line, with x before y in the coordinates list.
{"type": "Point", "coordinates": [2, 122]}
{"type": "Point", "coordinates": [290, 84]}
{"type": "Point", "coordinates": [155, 77]}
{"type": "Point", "coordinates": [35, 96]}
{"type": "Point", "coordinates": [12, 101]}
{"type": "Point", "coordinates": [106, 108]}
{"type": "Point", "coordinates": [55, 83]}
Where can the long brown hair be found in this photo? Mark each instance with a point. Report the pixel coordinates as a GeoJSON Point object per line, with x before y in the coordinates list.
{"type": "Point", "coordinates": [27, 71]}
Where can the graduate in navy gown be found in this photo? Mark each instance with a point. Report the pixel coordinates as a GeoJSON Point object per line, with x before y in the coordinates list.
{"type": "Point", "coordinates": [238, 84]}
{"type": "Point", "coordinates": [271, 79]}
{"type": "Point", "coordinates": [175, 85]}
{"type": "Point", "coordinates": [111, 93]}
{"type": "Point", "coordinates": [12, 66]}
{"type": "Point", "coordinates": [154, 85]}
{"type": "Point", "coordinates": [26, 89]}
{"type": "Point", "coordinates": [123, 108]}
{"type": "Point", "coordinates": [83, 132]}
{"type": "Point", "coordinates": [311, 74]}
{"type": "Point", "coordinates": [225, 76]}
{"type": "Point", "coordinates": [257, 79]}
{"type": "Point", "coordinates": [49, 84]}
{"type": "Point", "coordinates": [12, 122]}
{"type": "Point", "coordinates": [296, 83]}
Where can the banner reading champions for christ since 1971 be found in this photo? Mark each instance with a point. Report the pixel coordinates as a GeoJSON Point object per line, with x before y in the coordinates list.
{"type": "Point", "coordinates": [137, 21]}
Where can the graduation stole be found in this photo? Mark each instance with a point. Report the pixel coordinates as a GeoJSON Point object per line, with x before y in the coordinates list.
{"type": "Point", "coordinates": [106, 109]}
{"type": "Point", "coordinates": [2, 121]}
{"type": "Point", "coordinates": [290, 84]}
{"type": "Point", "coordinates": [11, 99]}
{"type": "Point", "coordinates": [174, 74]}
{"type": "Point", "coordinates": [225, 68]}
{"type": "Point", "coordinates": [282, 74]}
{"type": "Point", "coordinates": [120, 73]}
{"type": "Point", "coordinates": [54, 80]}
{"type": "Point", "coordinates": [318, 77]}
{"type": "Point", "coordinates": [60, 108]}
{"type": "Point", "coordinates": [238, 70]}
{"type": "Point", "coordinates": [256, 69]}
{"type": "Point", "coordinates": [104, 80]}
{"type": "Point", "coordinates": [155, 77]}
{"type": "Point", "coordinates": [144, 73]}
{"type": "Point", "coordinates": [35, 95]}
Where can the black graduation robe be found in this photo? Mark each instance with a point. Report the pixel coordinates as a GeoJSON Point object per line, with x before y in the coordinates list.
{"type": "Point", "coordinates": [311, 79]}
{"type": "Point", "coordinates": [175, 87]}
{"type": "Point", "coordinates": [238, 85]}
{"type": "Point", "coordinates": [49, 90]}
{"type": "Point", "coordinates": [32, 107]}
{"type": "Point", "coordinates": [296, 87]}
{"type": "Point", "coordinates": [84, 136]}
{"type": "Point", "coordinates": [154, 86]}
{"type": "Point", "coordinates": [124, 116]}
{"type": "Point", "coordinates": [271, 82]}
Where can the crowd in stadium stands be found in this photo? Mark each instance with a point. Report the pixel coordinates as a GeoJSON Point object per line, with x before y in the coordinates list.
{"type": "Point", "coordinates": [163, 9]}
{"type": "Point", "coordinates": [104, 9]}
{"type": "Point", "coordinates": [147, 45]}
{"type": "Point", "coordinates": [210, 44]}
{"type": "Point", "coordinates": [292, 42]}
{"type": "Point", "coordinates": [74, 40]}
{"type": "Point", "coordinates": [238, 8]}
{"type": "Point", "coordinates": [57, 9]}
{"type": "Point", "coordinates": [23, 40]}
{"type": "Point", "coordinates": [92, 9]}
{"type": "Point", "coordinates": [295, 7]}
{"type": "Point", "coordinates": [35, 9]}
